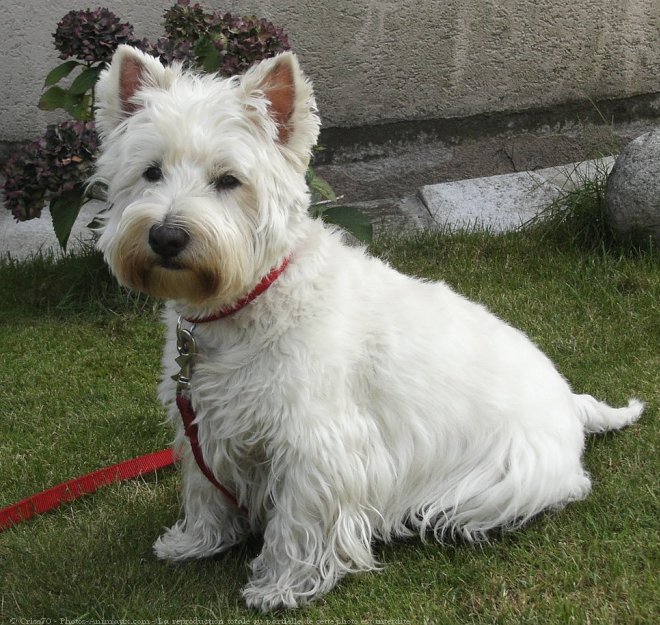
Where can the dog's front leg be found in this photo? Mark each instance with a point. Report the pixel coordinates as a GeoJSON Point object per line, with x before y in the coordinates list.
{"type": "Point", "coordinates": [210, 524]}
{"type": "Point", "coordinates": [316, 533]}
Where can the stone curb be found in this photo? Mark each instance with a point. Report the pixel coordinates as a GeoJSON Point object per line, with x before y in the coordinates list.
{"type": "Point", "coordinates": [494, 203]}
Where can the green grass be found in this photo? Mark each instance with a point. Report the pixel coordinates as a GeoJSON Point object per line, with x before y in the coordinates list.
{"type": "Point", "coordinates": [77, 390]}
{"type": "Point", "coordinates": [75, 285]}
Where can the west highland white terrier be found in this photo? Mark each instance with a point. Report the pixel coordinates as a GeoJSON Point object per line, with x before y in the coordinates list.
{"type": "Point", "coordinates": [319, 397]}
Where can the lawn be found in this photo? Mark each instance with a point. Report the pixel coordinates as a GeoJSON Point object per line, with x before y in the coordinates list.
{"type": "Point", "coordinates": [77, 390]}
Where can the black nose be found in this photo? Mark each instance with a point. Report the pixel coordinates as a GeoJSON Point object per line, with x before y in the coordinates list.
{"type": "Point", "coordinates": [167, 241]}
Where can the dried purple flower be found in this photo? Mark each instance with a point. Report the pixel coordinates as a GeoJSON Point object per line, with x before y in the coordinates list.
{"type": "Point", "coordinates": [92, 36]}
{"type": "Point", "coordinates": [218, 42]}
{"type": "Point", "coordinates": [52, 165]}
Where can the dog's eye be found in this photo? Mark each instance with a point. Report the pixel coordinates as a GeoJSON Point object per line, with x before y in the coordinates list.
{"type": "Point", "coordinates": [226, 182]}
{"type": "Point", "coordinates": [153, 174]}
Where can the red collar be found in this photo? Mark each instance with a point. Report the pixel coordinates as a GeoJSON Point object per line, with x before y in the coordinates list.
{"type": "Point", "coordinates": [262, 286]}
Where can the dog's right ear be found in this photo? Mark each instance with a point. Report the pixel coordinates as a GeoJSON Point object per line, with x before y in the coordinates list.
{"type": "Point", "coordinates": [120, 83]}
{"type": "Point", "coordinates": [280, 85]}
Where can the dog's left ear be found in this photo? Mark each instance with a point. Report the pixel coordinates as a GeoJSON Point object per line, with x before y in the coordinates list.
{"type": "Point", "coordinates": [119, 84]}
{"type": "Point", "coordinates": [290, 105]}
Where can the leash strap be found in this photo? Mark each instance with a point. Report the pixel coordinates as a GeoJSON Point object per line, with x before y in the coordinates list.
{"type": "Point", "coordinates": [190, 427]}
{"type": "Point", "coordinates": [76, 488]}
{"type": "Point", "coordinates": [187, 348]}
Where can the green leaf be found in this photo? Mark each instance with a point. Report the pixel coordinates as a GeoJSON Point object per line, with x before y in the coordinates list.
{"type": "Point", "coordinates": [316, 210]}
{"type": "Point", "coordinates": [61, 71]}
{"type": "Point", "coordinates": [53, 98]}
{"type": "Point", "coordinates": [208, 55]}
{"type": "Point", "coordinates": [350, 219]}
{"type": "Point", "coordinates": [64, 210]}
{"type": "Point", "coordinates": [78, 106]}
{"type": "Point", "coordinates": [85, 80]}
{"type": "Point", "coordinates": [97, 222]}
{"type": "Point", "coordinates": [319, 188]}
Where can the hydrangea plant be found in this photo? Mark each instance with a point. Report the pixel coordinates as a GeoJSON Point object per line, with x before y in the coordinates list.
{"type": "Point", "coordinates": [217, 42]}
{"type": "Point", "coordinates": [55, 167]}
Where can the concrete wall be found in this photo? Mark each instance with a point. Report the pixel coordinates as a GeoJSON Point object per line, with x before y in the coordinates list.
{"type": "Point", "coordinates": [374, 61]}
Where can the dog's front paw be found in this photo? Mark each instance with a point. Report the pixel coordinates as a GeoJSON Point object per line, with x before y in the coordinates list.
{"type": "Point", "coordinates": [271, 597]}
{"type": "Point", "coordinates": [276, 588]}
{"type": "Point", "coordinates": [180, 543]}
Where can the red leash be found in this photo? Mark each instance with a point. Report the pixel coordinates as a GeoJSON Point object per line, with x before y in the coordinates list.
{"type": "Point", "coordinates": [129, 469]}
{"type": "Point", "coordinates": [90, 483]}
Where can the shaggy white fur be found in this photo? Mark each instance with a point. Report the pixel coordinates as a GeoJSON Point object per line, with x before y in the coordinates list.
{"type": "Point", "coordinates": [347, 403]}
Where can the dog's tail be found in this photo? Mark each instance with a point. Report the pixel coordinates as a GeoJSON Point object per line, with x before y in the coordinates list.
{"type": "Point", "coordinates": [597, 416]}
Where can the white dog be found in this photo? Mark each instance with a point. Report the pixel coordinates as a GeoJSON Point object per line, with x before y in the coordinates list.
{"type": "Point", "coordinates": [328, 400]}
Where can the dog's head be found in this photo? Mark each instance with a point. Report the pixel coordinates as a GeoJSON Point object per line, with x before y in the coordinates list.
{"type": "Point", "coordinates": [205, 175]}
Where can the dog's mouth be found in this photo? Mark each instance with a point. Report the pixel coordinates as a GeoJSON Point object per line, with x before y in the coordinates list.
{"type": "Point", "coordinates": [172, 278]}
{"type": "Point", "coordinates": [172, 264]}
